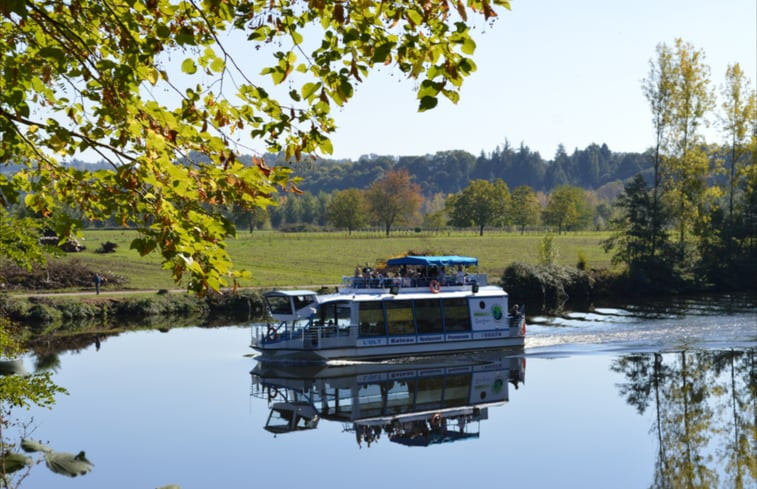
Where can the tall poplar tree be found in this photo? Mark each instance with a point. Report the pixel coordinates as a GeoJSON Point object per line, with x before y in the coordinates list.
{"type": "Point", "coordinates": [738, 116]}
{"type": "Point", "coordinates": [689, 163]}
{"type": "Point", "coordinates": [658, 89]}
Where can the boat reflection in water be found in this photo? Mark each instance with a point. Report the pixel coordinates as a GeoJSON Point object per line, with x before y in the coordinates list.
{"type": "Point", "coordinates": [418, 403]}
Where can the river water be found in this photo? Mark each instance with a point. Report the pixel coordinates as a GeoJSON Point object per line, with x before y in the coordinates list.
{"type": "Point", "coordinates": [654, 395]}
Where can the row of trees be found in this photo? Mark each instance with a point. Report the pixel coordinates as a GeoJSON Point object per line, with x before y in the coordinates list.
{"type": "Point", "coordinates": [697, 216]}
{"type": "Point", "coordinates": [396, 200]}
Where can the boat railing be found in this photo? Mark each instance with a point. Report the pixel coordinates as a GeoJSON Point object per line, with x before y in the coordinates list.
{"type": "Point", "coordinates": [351, 282]}
{"type": "Point", "coordinates": [309, 334]}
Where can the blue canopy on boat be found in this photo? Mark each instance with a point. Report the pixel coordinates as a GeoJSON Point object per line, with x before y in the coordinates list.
{"type": "Point", "coordinates": [445, 261]}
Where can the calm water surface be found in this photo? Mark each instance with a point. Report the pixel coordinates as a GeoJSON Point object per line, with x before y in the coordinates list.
{"type": "Point", "coordinates": [661, 395]}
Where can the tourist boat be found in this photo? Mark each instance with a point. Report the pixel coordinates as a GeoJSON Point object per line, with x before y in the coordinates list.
{"type": "Point", "coordinates": [418, 305]}
{"type": "Point", "coordinates": [429, 401]}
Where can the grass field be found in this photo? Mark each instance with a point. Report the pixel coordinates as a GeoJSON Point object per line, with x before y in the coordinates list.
{"type": "Point", "coordinates": [293, 259]}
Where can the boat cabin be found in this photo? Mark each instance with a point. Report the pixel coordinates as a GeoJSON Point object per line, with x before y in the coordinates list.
{"type": "Point", "coordinates": [291, 305]}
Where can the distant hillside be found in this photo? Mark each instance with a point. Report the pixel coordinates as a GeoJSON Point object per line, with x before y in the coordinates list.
{"type": "Point", "coordinates": [448, 172]}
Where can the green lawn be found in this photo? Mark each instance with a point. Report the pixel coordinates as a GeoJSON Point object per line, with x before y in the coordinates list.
{"type": "Point", "coordinates": [292, 259]}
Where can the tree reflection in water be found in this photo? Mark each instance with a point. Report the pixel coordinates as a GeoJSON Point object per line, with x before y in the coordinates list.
{"type": "Point", "coordinates": [705, 406]}
{"type": "Point", "coordinates": [20, 390]}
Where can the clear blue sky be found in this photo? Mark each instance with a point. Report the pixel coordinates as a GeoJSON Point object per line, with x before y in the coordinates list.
{"type": "Point", "coordinates": [551, 72]}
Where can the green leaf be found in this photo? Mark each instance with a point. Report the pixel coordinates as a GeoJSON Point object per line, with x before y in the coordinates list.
{"type": "Point", "coordinates": [415, 17]}
{"type": "Point", "coordinates": [469, 46]}
{"type": "Point", "coordinates": [452, 95]}
{"type": "Point", "coordinates": [278, 75]}
{"type": "Point", "coordinates": [53, 53]}
{"type": "Point", "coordinates": [143, 245]}
{"type": "Point", "coordinates": [382, 52]}
{"type": "Point", "coordinates": [162, 31]}
{"type": "Point", "coordinates": [68, 463]}
{"type": "Point", "coordinates": [309, 89]}
{"type": "Point", "coordinates": [218, 65]}
{"type": "Point", "coordinates": [428, 102]}
{"type": "Point", "coordinates": [189, 66]}
{"type": "Point", "coordinates": [149, 73]}
{"type": "Point", "coordinates": [325, 146]}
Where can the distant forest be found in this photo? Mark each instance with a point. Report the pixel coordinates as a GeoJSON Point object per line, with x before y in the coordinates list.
{"type": "Point", "coordinates": [448, 172]}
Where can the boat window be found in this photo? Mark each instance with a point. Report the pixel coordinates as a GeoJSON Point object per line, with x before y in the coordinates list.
{"type": "Point", "coordinates": [457, 389]}
{"type": "Point", "coordinates": [279, 304]}
{"type": "Point", "coordinates": [428, 316]}
{"type": "Point", "coordinates": [334, 314]}
{"type": "Point", "coordinates": [430, 393]}
{"type": "Point", "coordinates": [399, 397]}
{"type": "Point", "coordinates": [399, 317]}
{"type": "Point", "coordinates": [371, 319]}
{"type": "Point", "coordinates": [343, 314]}
{"type": "Point", "coordinates": [371, 399]}
{"type": "Point", "coordinates": [301, 301]}
{"type": "Point", "coordinates": [456, 315]}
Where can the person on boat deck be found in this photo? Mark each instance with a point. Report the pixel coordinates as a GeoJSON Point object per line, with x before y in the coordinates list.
{"type": "Point", "coordinates": [460, 276]}
{"type": "Point", "coordinates": [442, 276]}
{"type": "Point", "coordinates": [358, 272]}
{"type": "Point", "coordinates": [378, 279]}
{"type": "Point", "coordinates": [407, 280]}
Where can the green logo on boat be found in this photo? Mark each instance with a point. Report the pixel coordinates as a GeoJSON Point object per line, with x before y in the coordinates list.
{"type": "Point", "coordinates": [497, 312]}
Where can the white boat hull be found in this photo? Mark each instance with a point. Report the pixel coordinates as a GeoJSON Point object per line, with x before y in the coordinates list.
{"type": "Point", "coordinates": [383, 348]}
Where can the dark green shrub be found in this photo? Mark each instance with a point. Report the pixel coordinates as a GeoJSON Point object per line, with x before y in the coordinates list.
{"type": "Point", "coordinates": [41, 314]}
{"type": "Point", "coordinates": [547, 289]}
{"type": "Point", "coordinates": [107, 247]}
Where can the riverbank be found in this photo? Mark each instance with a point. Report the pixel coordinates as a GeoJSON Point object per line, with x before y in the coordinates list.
{"type": "Point", "coordinates": [52, 314]}
{"type": "Point", "coordinates": [554, 289]}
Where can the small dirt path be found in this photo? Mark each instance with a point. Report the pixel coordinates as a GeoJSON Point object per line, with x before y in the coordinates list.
{"type": "Point", "coordinates": [119, 292]}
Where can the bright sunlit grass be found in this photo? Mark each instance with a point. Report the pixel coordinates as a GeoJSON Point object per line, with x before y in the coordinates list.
{"type": "Point", "coordinates": [313, 259]}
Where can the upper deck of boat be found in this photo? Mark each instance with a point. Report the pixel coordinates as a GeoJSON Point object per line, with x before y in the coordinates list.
{"type": "Point", "coordinates": [417, 275]}
{"type": "Point", "coordinates": [416, 287]}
